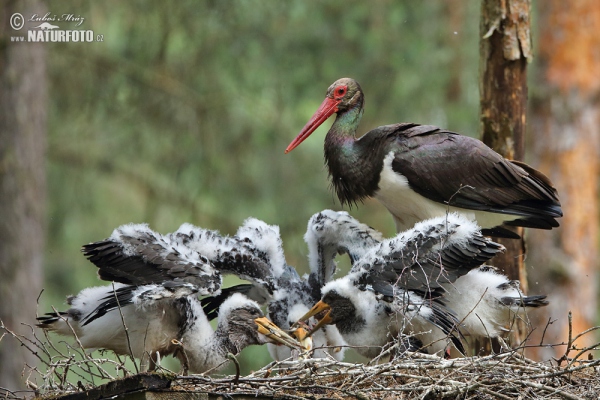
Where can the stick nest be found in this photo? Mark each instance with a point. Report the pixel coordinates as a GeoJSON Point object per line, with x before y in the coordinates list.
{"type": "Point", "coordinates": [499, 376]}
{"type": "Point", "coordinates": [509, 375]}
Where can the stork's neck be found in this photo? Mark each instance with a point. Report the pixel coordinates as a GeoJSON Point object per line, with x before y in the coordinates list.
{"type": "Point", "coordinates": [354, 165]}
{"type": "Point", "coordinates": [209, 353]}
{"type": "Point", "coordinates": [224, 344]}
{"type": "Point", "coordinates": [322, 262]}
{"type": "Point", "coordinates": [346, 123]}
{"type": "Point", "coordinates": [205, 349]}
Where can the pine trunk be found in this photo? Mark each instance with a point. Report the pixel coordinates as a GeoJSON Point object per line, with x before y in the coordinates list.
{"type": "Point", "coordinates": [504, 52]}
{"type": "Point", "coordinates": [566, 120]}
{"type": "Point", "coordinates": [22, 186]}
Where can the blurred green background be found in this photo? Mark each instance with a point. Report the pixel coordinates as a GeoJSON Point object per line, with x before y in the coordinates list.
{"type": "Point", "coordinates": [182, 113]}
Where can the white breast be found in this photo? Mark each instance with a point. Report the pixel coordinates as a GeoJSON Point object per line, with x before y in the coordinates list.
{"type": "Point", "coordinates": [408, 207]}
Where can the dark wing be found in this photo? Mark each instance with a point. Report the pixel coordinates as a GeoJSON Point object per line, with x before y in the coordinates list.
{"type": "Point", "coordinates": [432, 310]}
{"type": "Point", "coordinates": [118, 298]}
{"type": "Point", "coordinates": [147, 294]}
{"type": "Point", "coordinates": [48, 319]}
{"type": "Point", "coordinates": [448, 323]}
{"type": "Point", "coordinates": [421, 259]}
{"type": "Point", "coordinates": [135, 255]}
{"type": "Point", "coordinates": [211, 304]}
{"type": "Point", "coordinates": [464, 172]}
{"type": "Point", "coordinates": [524, 301]}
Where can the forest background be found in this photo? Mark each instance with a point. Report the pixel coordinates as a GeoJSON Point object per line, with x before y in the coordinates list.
{"type": "Point", "coordinates": [182, 112]}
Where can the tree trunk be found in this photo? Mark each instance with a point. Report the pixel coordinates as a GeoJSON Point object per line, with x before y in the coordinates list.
{"type": "Point", "coordinates": [504, 52]}
{"type": "Point", "coordinates": [566, 117]}
{"type": "Point", "coordinates": [23, 104]}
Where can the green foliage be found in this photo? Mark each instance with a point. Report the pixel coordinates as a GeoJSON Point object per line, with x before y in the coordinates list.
{"type": "Point", "coordinates": [183, 112]}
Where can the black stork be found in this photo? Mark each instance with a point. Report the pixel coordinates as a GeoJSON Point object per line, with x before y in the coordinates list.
{"type": "Point", "coordinates": [156, 283]}
{"type": "Point", "coordinates": [396, 285]}
{"type": "Point", "coordinates": [483, 301]}
{"type": "Point", "coordinates": [422, 171]}
{"type": "Point", "coordinates": [293, 295]}
{"type": "Point", "coordinates": [163, 320]}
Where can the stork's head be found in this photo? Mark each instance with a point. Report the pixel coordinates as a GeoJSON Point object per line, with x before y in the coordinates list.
{"type": "Point", "coordinates": [341, 96]}
{"type": "Point", "coordinates": [242, 320]}
{"type": "Point", "coordinates": [343, 305]}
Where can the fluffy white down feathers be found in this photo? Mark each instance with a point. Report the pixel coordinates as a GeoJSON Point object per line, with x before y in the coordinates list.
{"type": "Point", "coordinates": [482, 300]}
{"type": "Point", "coordinates": [487, 303]}
{"type": "Point", "coordinates": [155, 316]}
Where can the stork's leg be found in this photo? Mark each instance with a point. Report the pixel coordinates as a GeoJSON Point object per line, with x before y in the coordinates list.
{"type": "Point", "coordinates": [149, 362]}
{"type": "Point", "coordinates": [153, 365]}
{"type": "Point", "coordinates": [144, 363]}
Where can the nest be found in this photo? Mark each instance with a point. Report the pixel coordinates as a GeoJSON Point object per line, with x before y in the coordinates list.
{"type": "Point", "coordinates": [499, 376]}
{"type": "Point", "coordinates": [508, 375]}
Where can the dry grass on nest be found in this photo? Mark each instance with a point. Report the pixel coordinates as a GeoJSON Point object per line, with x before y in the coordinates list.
{"type": "Point", "coordinates": [499, 376]}
{"type": "Point", "coordinates": [508, 375]}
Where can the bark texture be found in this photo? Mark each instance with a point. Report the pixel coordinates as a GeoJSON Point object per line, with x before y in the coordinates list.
{"type": "Point", "coordinates": [505, 49]}
{"type": "Point", "coordinates": [23, 104]}
{"type": "Point", "coordinates": [566, 135]}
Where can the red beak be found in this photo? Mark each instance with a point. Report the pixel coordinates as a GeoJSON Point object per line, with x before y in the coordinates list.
{"type": "Point", "coordinates": [326, 109]}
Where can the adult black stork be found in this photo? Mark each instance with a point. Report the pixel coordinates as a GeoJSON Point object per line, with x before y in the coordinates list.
{"type": "Point", "coordinates": [422, 171]}
{"type": "Point", "coordinates": [158, 281]}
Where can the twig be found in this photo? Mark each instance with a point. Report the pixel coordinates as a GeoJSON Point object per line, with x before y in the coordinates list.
{"type": "Point", "coordinates": [232, 357]}
{"type": "Point", "coordinates": [186, 360]}
{"type": "Point", "coordinates": [569, 342]}
{"type": "Point", "coordinates": [550, 322]}
{"type": "Point", "coordinates": [137, 371]}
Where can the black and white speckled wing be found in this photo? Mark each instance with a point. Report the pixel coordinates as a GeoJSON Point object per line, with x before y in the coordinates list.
{"type": "Point", "coordinates": [136, 255]}
{"type": "Point", "coordinates": [434, 252]}
{"type": "Point", "coordinates": [265, 242]}
{"type": "Point", "coordinates": [229, 255]}
{"type": "Point", "coordinates": [330, 233]}
{"type": "Point", "coordinates": [261, 242]}
{"type": "Point", "coordinates": [291, 290]}
{"type": "Point", "coordinates": [145, 295]}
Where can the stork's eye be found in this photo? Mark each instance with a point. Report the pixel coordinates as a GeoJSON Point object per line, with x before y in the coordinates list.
{"type": "Point", "coordinates": [254, 311]}
{"type": "Point", "coordinates": [339, 92]}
